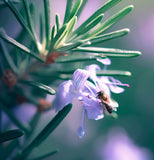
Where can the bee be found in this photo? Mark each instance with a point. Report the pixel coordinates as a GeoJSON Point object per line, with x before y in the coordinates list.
{"type": "Point", "coordinates": [105, 100]}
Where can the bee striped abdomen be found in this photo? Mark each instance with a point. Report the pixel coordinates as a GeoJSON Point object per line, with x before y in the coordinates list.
{"type": "Point", "coordinates": [109, 108]}
{"type": "Point", "coordinates": [105, 100]}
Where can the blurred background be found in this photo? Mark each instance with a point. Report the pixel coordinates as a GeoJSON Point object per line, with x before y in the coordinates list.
{"type": "Point", "coordinates": [131, 135]}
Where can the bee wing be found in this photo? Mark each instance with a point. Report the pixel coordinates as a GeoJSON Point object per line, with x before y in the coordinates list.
{"type": "Point", "coordinates": [114, 104]}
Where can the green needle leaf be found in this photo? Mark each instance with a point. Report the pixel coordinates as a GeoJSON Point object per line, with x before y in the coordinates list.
{"type": "Point", "coordinates": [41, 29]}
{"type": "Point", "coordinates": [34, 121]}
{"type": "Point", "coordinates": [10, 40]}
{"type": "Point", "coordinates": [45, 155]}
{"type": "Point", "coordinates": [49, 128]}
{"type": "Point", "coordinates": [19, 17]}
{"type": "Point", "coordinates": [47, 20]}
{"type": "Point", "coordinates": [53, 33]}
{"type": "Point", "coordinates": [77, 58]}
{"type": "Point", "coordinates": [9, 149]}
{"type": "Point", "coordinates": [57, 22]}
{"type": "Point", "coordinates": [108, 36]}
{"type": "Point", "coordinates": [63, 71]}
{"type": "Point", "coordinates": [9, 135]}
{"type": "Point", "coordinates": [112, 20]}
{"type": "Point", "coordinates": [109, 52]}
{"type": "Point", "coordinates": [55, 76]}
{"type": "Point", "coordinates": [81, 8]}
{"type": "Point", "coordinates": [41, 86]}
{"type": "Point", "coordinates": [58, 38]}
{"type": "Point", "coordinates": [74, 10]}
{"type": "Point", "coordinates": [0, 120]}
{"type": "Point", "coordinates": [91, 25]}
{"type": "Point", "coordinates": [68, 9]}
{"type": "Point", "coordinates": [32, 12]}
{"type": "Point", "coordinates": [101, 10]}
{"type": "Point", "coordinates": [2, 4]}
{"type": "Point", "coordinates": [70, 27]}
{"type": "Point", "coordinates": [70, 46]}
{"type": "Point", "coordinates": [29, 19]}
{"type": "Point", "coordinates": [113, 73]}
{"type": "Point", "coordinates": [8, 58]}
{"type": "Point", "coordinates": [65, 76]}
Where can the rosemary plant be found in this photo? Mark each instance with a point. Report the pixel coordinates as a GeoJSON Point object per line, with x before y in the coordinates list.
{"type": "Point", "coordinates": [35, 63]}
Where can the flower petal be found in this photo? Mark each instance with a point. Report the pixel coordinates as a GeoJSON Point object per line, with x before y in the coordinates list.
{"type": "Point", "coordinates": [93, 108]}
{"type": "Point", "coordinates": [105, 88]}
{"type": "Point", "coordinates": [90, 89]}
{"type": "Point", "coordinates": [116, 89]}
{"type": "Point", "coordinates": [63, 96]}
{"type": "Point", "coordinates": [92, 71]}
{"type": "Point", "coordinates": [79, 78]}
{"type": "Point", "coordinates": [112, 85]}
{"type": "Point", "coordinates": [93, 68]}
{"type": "Point", "coordinates": [105, 61]}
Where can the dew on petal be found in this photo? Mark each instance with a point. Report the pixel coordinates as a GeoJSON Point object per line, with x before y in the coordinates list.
{"type": "Point", "coordinates": [81, 132]}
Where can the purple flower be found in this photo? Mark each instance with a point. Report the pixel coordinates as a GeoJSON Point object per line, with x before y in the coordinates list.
{"type": "Point", "coordinates": [19, 112]}
{"type": "Point", "coordinates": [105, 61]}
{"type": "Point", "coordinates": [82, 90]}
{"type": "Point", "coordinates": [122, 147]}
{"type": "Point", "coordinates": [92, 106]}
{"type": "Point", "coordinates": [105, 83]}
{"type": "Point", "coordinates": [71, 89]}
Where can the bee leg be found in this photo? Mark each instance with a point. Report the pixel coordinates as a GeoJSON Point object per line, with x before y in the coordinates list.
{"type": "Point", "coordinates": [104, 109]}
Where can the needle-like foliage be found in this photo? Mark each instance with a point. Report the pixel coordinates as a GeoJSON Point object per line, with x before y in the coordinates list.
{"type": "Point", "coordinates": [33, 63]}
